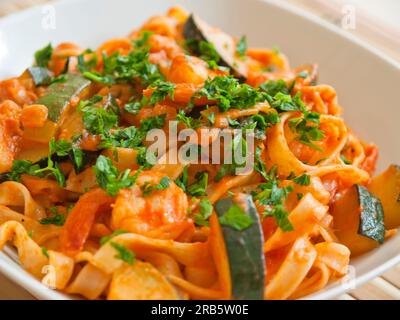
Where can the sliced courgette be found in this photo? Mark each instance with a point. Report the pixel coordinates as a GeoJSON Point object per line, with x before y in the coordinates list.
{"type": "Point", "coordinates": [371, 216]}
{"type": "Point", "coordinates": [386, 187]}
{"type": "Point", "coordinates": [40, 76]}
{"type": "Point", "coordinates": [358, 220]}
{"type": "Point", "coordinates": [244, 250]}
{"type": "Point", "coordinates": [59, 94]}
{"type": "Point", "coordinates": [196, 29]}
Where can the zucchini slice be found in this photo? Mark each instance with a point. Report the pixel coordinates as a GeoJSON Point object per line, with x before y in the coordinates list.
{"type": "Point", "coordinates": [59, 94]}
{"type": "Point", "coordinates": [371, 216]}
{"type": "Point", "coordinates": [386, 187]}
{"type": "Point", "coordinates": [244, 250]}
{"type": "Point", "coordinates": [40, 76]}
{"type": "Point", "coordinates": [196, 29]}
{"type": "Point", "coordinates": [358, 220]}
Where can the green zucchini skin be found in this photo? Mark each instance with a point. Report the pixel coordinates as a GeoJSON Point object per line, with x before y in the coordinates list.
{"type": "Point", "coordinates": [40, 76]}
{"type": "Point", "coordinates": [59, 94]}
{"type": "Point", "coordinates": [371, 216]}
{"type": "Point", "coordinates": [245, 252]}
{"type": "Point", "coordinates": [193, 30]}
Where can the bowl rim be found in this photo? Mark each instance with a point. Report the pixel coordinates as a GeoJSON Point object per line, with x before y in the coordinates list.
{"type": "Point", "coordinates": [8, 263]}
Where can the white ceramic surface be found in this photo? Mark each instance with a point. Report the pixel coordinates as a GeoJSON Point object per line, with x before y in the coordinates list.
{"type": "Point", "coordinates": [367, 82]}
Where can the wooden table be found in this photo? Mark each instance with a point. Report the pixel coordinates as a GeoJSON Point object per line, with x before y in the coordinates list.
{"type": "Point", "coordinates": [386, 287]}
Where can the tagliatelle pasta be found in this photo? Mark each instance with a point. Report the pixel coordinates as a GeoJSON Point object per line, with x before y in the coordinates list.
{"type": "Point", "coordinates": [177, 163]}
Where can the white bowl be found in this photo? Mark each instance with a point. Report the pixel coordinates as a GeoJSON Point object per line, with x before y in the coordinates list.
{"type": "Point", "coordinates": [366, 80]}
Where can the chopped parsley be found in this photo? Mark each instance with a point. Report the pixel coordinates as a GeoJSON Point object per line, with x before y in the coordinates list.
{"type": "Point", "coordinates": [144, 158]}
{"type": "Point", "coordinates": [85, 65]}
{"type": "Point", "coordinates": [226, 169]}
{"type": "Point", "coordinates": [110, 179]}
{"type": "Point", "coordinates": [147, 188]}
{"type": "Point", "coordinates": [238, 147]}
{"type": "Point", "coordinates": [205, 211]}
{"type": "Point", "coordinates": [141, 42]}
{"type": "Point", "coordinates": [55, 218]}
{"type": "Point", "coordinates": [188, 121]}
{"type": "Point", "coordinates": [284, 102]}
{"type": "Point", "coordinates": [131, 137]}
{"type": "Point", "coordinates": [257, 123]}
{"type": "Point", "coordinates": [206, 51]}
{"type": "Point", "coordinates": [271, 195]}
{"type": "Point", "coordinates": [299, 196]}
{"type": "Point", "coordinates": [210, 118]}
{"type": "Point", "coordinates": [96, 119]}
{"type": "Point", "coordinates": [228, 93]}
{"type": "Point", "coordinates": [183, 181]}
{"type": "Point", "coordinates": [344, 159]}
{"type": "Point", "coordinates": [52, 166]}
{"type": "Point", "coordinates": [20, 167]}
{"type": "Point", "coordinates": [163, 89]}
{"type": "Point", "coordinates": [199, 186]}
{"type": "Point", "coordinates": [307, 128]}
{"type": "Point", "coordinates": [43, 56]}
{"type": "Point", "coordinates": [303, 180]}
{"type": "Point", "coordinates": [133, 107]}
{"type": "Point", "coordinates": [236, 218]}
{"type": "Point", "coordinates": [273, 87]}
{"type": "Point", "coordinates": [44, 251]}
{"type": "Point", "coordinates": [241, 46]}
{"type": "Point", "coordinates": [124, 253]}
{"type": "Point", "coordinates": [155, 122]}
{"type": "Point", "coordinates": [63, 148]}
{"type": "Point", "coordinates": [127, 68]}
{"type": "Point", "coordinates": [60, 148]}
{"type": "Point", "coordinates": [281, 217]}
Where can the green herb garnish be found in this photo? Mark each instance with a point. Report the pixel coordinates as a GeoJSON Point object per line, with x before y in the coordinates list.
{"type": "Point", "coordinates": [236, 218]}
{"type": "Point", "coordinates": [241, 46]}
{"type": "Point", "coordinates": [110, 179]}
{"type": "Point", "coordinates": [124, 253]}
{"type": "Point", "coordinates": [56, 218]}
{"type": "Point", "coordinates": [303, 180]}
{"type": "Point", "coordinates": [199, 186]}
{"type": "Point", "coordinates": [43, 56]}
{"type": "Point", "coordinates": [205, 211]}
{"type": "Point", "coordinates": [148, 187]}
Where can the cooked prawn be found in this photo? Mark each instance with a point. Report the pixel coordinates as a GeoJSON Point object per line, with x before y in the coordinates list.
{"type": "Point", "coordinates": [161, 214]}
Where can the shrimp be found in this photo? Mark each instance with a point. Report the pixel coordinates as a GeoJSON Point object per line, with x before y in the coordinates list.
{"type": "Point", "coordinates": [148, 111]}
{"type": "Point", "coordinates": [80, 220]}
{"type": "Point", "coordinates": [161, 43]}
{"type": "Point", "coordinates": [60, 55]}
{"type": "Point", "coordinates": [369, 163]}
{"type": "Point", "coordinates": [161, 214]}
{"type": "Point", "coordinates": [10, 133]}
{"type": "Point", "coordinates": [34, 116]}
{"type": "Point", "coordinates": [188, 69]}
{"type": "Point", "coordinates": [21, 90]}
{"type": "Point", "coordinates": [161, 25]}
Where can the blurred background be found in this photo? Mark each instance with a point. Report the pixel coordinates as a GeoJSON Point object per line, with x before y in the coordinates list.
{"type": "Point", "coordinates": [376, 21]}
